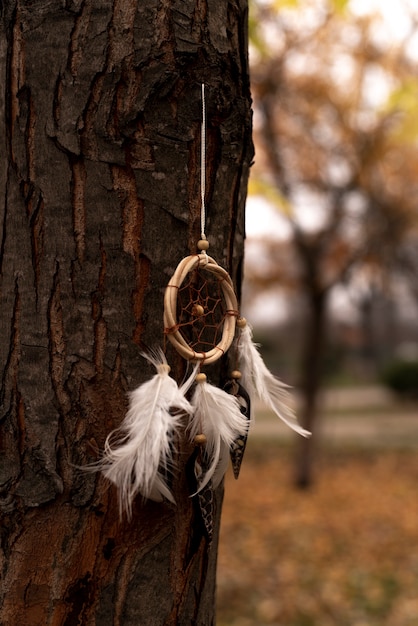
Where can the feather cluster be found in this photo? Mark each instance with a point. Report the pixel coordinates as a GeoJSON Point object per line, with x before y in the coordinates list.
{"type": "Point", "coordinates": [218, 416]}
{"type": "Point", "coordinates": [261, 383]}
{"type": "Point", "coordinates": [139, 455]}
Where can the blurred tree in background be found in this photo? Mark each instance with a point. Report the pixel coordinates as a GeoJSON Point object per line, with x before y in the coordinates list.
{"type": "Point", "coordinates": [337, 152]}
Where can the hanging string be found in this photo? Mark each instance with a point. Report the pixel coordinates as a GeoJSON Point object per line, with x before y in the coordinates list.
{"type": "Point", "coordinates": [203, 166]}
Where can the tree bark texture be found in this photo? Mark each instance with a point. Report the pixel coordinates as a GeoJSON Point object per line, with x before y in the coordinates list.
{"type": "Point", "coordinates": [99, 179]}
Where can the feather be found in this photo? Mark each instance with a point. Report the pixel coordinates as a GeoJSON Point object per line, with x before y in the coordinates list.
{"type": "Point", "coordinates": [261, 383]}
{"type": "Point", "coordinates": [139, 454]}
{"type": "Point", "coordinates": [222, 466]}
{"type": "Point", "coordinates": [217, 415]}
{"type": "Point", "coordinates": [203, 501]}
{"type": "Point", "coordinates": [237, 448]}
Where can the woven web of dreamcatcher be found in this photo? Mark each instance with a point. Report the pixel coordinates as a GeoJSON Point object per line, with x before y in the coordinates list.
{"type": "Point", "coordinates": [201, 310]}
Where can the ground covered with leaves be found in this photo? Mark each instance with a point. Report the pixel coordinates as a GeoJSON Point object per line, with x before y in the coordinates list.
{"type": "Point", "coordinates": [344, 553]}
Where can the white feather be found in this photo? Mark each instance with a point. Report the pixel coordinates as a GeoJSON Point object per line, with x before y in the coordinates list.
{"type": "Point", "coordinates": [133, 461]}
{"type": "Point", "coordinates": [260, 382]}
{"type": "Point", "coordinates": [190, 380]}
{"type": "Point", "coordinates": [222, 466]}
{"type": "Point", "coordinates": [217, 415]}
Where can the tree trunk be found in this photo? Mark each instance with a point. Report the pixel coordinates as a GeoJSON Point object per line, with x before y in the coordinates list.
{"type": "Point", "coordinates": [99, 167]}
{"type": "Point", "coordinates": [312, 372]}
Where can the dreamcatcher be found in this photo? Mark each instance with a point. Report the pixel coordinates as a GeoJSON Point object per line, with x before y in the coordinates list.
{"type": "Point", "coordinates": [202, 322]}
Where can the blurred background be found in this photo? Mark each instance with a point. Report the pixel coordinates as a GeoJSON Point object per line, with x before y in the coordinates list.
{"type": "Point", "coordinates": [324, 531]}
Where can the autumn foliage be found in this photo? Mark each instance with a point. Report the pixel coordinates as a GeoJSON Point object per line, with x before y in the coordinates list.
{"type": "Point", "coordinates": [337, 154]}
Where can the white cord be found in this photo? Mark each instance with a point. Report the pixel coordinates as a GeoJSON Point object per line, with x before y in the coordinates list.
{"type": "Point", "coordinates": [203, 166]}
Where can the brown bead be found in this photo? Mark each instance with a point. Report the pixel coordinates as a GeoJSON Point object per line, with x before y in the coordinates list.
{"type": "Point", "coordinates": [200, 439]}
{"type": "Point", "coordinates": [241, 322]}
{"type": "Point", "coordinates": [236, 374]}
{"type": "Point", "coordinates": [201, 378]}
{"type": "Point", "coordinates": [203, 244]}
{"type": "Point", "coordinates": [198, 310]}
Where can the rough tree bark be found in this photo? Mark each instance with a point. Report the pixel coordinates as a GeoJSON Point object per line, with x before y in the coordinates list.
{"type": "Point", "coordinates": [99, 174]}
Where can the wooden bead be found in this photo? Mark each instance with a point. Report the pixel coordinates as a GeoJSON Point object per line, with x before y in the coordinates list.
{"type": "Point", "coordinates": [201, 378]}
{"type": "Point", "coordinates": [236, 374]}
{"type": "Point", "coordinates": [197, 310]}
{"type": "Point", "coordinates": [200, 440]}
{"type": "Point", "coordinates": [241, 322]}
{"type": "Point", "coordinates": [203, 244]}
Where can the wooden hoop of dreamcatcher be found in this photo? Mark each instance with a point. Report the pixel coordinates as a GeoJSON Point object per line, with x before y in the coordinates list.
{"type": "Point", "coordinates": [172, 329]}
